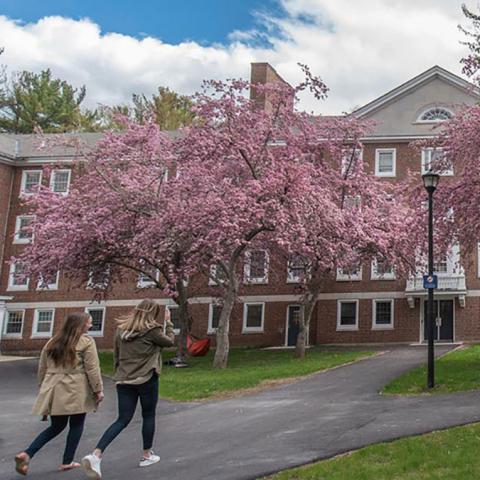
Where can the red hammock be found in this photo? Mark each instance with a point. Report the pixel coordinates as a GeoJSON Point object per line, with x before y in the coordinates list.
{"type": "Point", "coordinates": [197, 347]}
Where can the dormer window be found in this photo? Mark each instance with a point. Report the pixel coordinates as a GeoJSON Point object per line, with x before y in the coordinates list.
{"type": "Point", "coordinates": [435, 114]}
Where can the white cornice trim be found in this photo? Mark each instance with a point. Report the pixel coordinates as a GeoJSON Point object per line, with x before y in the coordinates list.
{"type": "Point", "coordinates": [413, 83]}
{"type": "Point", "coordinates": [396, 138]}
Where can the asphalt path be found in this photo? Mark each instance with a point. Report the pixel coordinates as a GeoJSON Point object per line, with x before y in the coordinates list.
{"type": "Point", "coordinates": [244, 437]}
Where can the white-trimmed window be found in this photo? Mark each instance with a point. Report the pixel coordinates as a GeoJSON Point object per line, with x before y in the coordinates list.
{"type": "Point", "coordinates": [23, 234]}
{"type": "Point", "coordinates": [434, 159]}
{"type": "Point", "coordinates": [296, 269]}
{"type": "Point", "coordinates": [256, 266]}
{"type": "Point", "coordinates": [14, 323]}
{"type": "Point", "coordinates": [48, 283]}
{"type": "Point", "coordinates": [17, 279]}
{"type": "Point", "coordinates": [347, 315]}
{"type": "Point", "coordinates": [385, 162]}
{"type": "Point", "coordinates": [98, 320]}
{"type": "Point", "coordinates": [253, 317]}
{"type": "Point", "coordinates": [60, 181]}
{"type": "Point", "coordinates": [217, 275]}
{"type": "Point", "coordinates": [382, 314]}
{"type": "Point", "coordinates": [350, 157]}
{"type": "Point", "coordinates": [148, 277]}
{"type": "Point", "coordinates": [31, 180]}
{"type": "Point", "coordinates": [98, 279]}
{"type": "Point", "coordinates": [381, 270]}
{"type": "Point", "coordinates": [478, 259]}
{"type": "Point", "coordinates": [351, 202]}
{"type": "Point", "coordinates": [440, 265]}
{"type": "Point", "coordinates": [435, 114]}
{"type": "Point", "coordinates": [214, 311]}
{"type": "Point", "coordinates": [43, 322]}
{"type": "Point", "coordinates": [349, 274]}
{"type": "Point", "coordinates": [174, 317]}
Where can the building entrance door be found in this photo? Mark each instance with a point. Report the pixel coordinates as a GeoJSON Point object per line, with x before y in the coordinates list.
{"type": "Point", "coordinates": [293, 318]}
{"type": "Point", "coordinates": [443, 313]}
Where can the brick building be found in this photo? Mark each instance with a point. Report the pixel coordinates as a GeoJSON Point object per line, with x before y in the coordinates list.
{"type": "Point", "coordinates": [369, 305]}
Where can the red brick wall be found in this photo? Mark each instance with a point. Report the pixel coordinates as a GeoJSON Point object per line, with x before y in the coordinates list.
{"type": "Point", "coordinates": [323, 328]}
{"type": "Point", "coordinates": [6, 174]}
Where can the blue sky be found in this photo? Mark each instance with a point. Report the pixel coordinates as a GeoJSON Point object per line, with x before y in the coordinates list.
{"type": "Point", "coordinates": [361, 49]}
{"type": "Point", "coordinates": [204, 21]}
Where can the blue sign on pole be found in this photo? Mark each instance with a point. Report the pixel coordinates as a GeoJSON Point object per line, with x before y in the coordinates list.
{"type": "Point", "coordinates": [430, 281]}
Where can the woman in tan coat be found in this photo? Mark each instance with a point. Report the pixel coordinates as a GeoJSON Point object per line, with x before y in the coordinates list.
{"type": "Point", "coordinates": [70, 387]}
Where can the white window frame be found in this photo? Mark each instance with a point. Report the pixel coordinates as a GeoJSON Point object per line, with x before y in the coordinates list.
{"type": "Point", "coordinates": [247, 268]}
{"type": "Point", "coordinates": [343, 277]}
{"type": "Point", "coordinates": [13, 335]}
{"type": "Point", "coordinates": [293, 279]}
{"type": "Point", "coordinates": [341, 327]}
{"type": "Point", "coordinates": [98, 286]}
{"type": "Point", "coordinates": [210, 328]}
{"type": "Point", "coordinates": [11, 286]}
{"type": "Point", "coordinates": [24, 181]}
{"type": "Point", "coordinates": [376, 276]}
{"type": "Point", "coordinates": [176, 331]}
{"type": "Point", "coordinates": [35, 333]}
{"type": "Point", "coordinates": [245, 328]}
{"type": "Point", "coordinates": [52, 179]}
{"type": "Point", "coordinates": [427, 152]}
{"type": "Point", "coordinates": [97, 333]}
{"type": "Point", "coordinates": [18, 221]}
{"type": "Point", "coordinates": [426, 110]}
{"type": "Point", "coordinates": [346, 153]}
{"type": "Point", "coordinates": [50, 286]}
{"type": "Point", "coordinates": [214, 274]}
{"type": "Point", "coordinates": [379, 151]}
{"type": "Point", "coordinates": [147, 283]}
{"type": "Point", "coordinates": [478, 259]}
{"type": "Point", "coordinates": [376, 326]}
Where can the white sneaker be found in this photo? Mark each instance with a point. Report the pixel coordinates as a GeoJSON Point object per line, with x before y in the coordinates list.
{"type": "Point", "coordinates": [91, 465]}
{"type": "Point", "coordinates": [146, 462]}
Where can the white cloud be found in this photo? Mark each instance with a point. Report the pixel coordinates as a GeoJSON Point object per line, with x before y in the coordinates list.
{"type": "Point", "coordinates": [360, 48]}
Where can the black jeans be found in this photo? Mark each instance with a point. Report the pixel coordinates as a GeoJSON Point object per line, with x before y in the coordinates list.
{"type": "Point", "coordinates": [128, 396]}
{"type": "Point", "coordinates": [58, 424]}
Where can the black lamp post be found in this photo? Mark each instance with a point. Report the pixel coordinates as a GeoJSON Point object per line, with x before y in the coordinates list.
{"type": "Point", "coordinates": [430, 182]}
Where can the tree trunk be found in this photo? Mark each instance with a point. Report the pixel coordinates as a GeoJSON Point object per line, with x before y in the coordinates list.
{"type": "Point", "coordinates": [184, 320]}
{"type": "Point", "coordinates": [308, 305]}
{"type": "Point", "coordinates": [223, 330]}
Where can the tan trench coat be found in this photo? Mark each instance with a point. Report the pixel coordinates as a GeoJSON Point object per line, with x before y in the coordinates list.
{"type": "Point", "coordinates": [68, 391]}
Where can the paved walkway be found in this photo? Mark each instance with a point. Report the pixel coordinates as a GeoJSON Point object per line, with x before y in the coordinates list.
{"type": "Point", "coordinates": [246, 437]}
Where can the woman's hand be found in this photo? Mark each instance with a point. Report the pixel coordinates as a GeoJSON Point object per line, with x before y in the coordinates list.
{"type": "Point", "coordinates": [99, 396]}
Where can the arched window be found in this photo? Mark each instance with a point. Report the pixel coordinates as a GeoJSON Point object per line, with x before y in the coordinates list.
{"type": "Point", "coordinates": [435, 114]}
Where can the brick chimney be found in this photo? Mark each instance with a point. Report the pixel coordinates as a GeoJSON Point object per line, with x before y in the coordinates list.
{"type": "Point", "coordinates": [262, 73]}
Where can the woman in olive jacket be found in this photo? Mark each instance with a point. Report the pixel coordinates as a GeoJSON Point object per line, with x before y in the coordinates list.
{"type": "Point", "coordinates": [70, 387]}
{"type": "Point", "coordinates": [137, 358]}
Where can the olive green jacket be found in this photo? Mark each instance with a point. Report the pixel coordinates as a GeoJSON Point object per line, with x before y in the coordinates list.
{"type": "Point", "coordinates": [136, 354]}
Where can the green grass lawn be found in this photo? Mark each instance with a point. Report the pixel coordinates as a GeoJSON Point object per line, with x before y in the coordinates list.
{"type": "Point", "coordinates": [247, 368]}
{"type": "Point", "coordinates": [457, 371]}
{"type": "Point", "coordinates": [450, 455]}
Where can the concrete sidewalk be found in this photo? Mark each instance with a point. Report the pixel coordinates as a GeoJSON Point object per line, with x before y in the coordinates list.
{"type": "Point", "coordinates": [245, 437]}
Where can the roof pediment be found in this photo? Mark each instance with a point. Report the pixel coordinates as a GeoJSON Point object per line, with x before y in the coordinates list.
{"type": "Point", "coordinates": [433, 73]}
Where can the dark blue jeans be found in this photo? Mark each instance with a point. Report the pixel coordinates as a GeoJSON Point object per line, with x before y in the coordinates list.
{"type": "Point", "coordinates": [128, 396]}
{"type": "Point", "coordinates": [57, 425]}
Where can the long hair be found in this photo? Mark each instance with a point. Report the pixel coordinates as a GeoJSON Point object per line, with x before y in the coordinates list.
{"type": "Point", "coordinates": [143, 317]}
{"type": "Point", "coordinates": [62, 347]}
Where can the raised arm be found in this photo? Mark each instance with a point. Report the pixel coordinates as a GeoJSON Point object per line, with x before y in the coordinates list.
{"type": "Point", "coordinates": [166, 339]}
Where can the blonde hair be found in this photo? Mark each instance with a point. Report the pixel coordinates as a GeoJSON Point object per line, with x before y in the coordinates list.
{"type": "Point", "coordinates": [143, 317]}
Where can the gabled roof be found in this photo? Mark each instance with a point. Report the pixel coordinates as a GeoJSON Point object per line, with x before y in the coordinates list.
{"type": "Point", "coordinates": [415, 82]}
